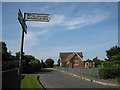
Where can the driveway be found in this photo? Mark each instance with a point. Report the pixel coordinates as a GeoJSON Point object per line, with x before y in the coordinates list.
{"type": "Point", "coordinates": [51, 78]}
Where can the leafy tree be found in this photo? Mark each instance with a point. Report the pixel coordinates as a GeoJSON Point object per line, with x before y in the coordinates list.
{"type": "Point", "coordinates": [10, 56]}
{"type": "Point", "coordinates": [32, 66]}
{"type": "Point", "coordinates": [18, 55]}
{"type": "Point", "coordinates": [4, 47]}
{"type": "Point", "coordinates": [43, 65]}
{"type": "Point", "coordinates": [3, 51]}
{"type": "Point", "coordinates": [6, 56]}
{"type": "Point", "coordinates": [88, 60]}
{"type": "Point", "coordinates": [58, 62]}
{"type": "Point", "coordinates": [97, 61]}
{"type": "Point", "coordinates": [49, 63]}
{"type": "Point", "coordinates": [28, 58]}
{"type": "Point", "coordinates": [115, 57]}
{"type": "Point", "coordinates": [111, 52]}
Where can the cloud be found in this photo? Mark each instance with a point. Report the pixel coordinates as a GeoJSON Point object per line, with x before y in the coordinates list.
{"type": "Point", "coordinates": [71, 22]}
{"type": "Point", "coordinates": [86, 20]}
{"type": "Point", "coordinates": [32, 39]}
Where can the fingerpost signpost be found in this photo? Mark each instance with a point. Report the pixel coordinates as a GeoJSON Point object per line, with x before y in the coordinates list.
{"type": "Point", "coordinates": [22, 19]}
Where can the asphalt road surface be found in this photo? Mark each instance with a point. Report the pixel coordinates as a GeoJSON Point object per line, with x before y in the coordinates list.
{"type": "Point", "coordinates": [55, 79]}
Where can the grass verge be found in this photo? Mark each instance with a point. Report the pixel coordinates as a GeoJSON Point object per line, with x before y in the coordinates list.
{"type": "Point", "coordinates": [115, 79]}
{"type": "Point", "coordinates": [30, 81]}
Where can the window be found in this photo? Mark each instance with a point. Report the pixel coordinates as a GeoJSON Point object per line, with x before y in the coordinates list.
{"type": "Point", "coordinates": [76, 62]}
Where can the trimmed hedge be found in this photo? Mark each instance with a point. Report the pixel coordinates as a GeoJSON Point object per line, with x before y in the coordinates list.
{"type": "Point", "coordinates": [7, 65]}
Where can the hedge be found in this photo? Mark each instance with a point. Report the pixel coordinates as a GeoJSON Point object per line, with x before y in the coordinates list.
{"type": "Point", "coordinates": [109, 70]}
{"type": "Point", "coordinates": [32, 67]}
{"type": "Point", "coordinates": [7, 65]}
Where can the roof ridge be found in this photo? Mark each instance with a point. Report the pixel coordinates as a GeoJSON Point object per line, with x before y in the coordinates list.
{"type": "Point", "coordinates": [79, 56]}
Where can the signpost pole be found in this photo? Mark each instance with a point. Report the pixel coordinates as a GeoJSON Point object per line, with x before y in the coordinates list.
{"type": "Point", "coordinates": [30, 17]}
{"type": "Point", "coordinates": [21, 56]}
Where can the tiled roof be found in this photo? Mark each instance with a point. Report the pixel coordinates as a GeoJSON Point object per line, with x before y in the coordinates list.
{"type": "Point", "coordinates": [71, 56]}
{"type": "Point", "coordinates": [66, 54]}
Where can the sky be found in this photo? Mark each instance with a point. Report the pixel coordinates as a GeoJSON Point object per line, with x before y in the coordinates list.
{"type": "Point", "coordinates": [87, 27]}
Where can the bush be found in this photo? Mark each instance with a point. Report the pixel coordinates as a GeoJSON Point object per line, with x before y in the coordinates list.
{"type": "Point", "coordinates": [7, 65]}
{"type": "Point", "coordinates": [31, 67]}
{"type": "Point", "coordinates": [106, 73]}
{"type": "Point", "coordinates": [109, 70]}
{"type": "Point", "coordinates": [49, 63]}
{"type": "Point", "coordinates": [56, 65]}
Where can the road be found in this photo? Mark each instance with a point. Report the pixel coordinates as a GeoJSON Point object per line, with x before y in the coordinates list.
{"type": "Point", "coordinates": [55, 79]}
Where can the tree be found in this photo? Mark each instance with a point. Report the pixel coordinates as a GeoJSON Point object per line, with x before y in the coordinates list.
{"type": "Point", "coordinates": [58, 62]}
{"type": "Point", "coordinates": [43, 64]}
{"type": "Point", "coordinates": [32, 66]}
{"type": "Point", "coordinates": [88, 60]}
{"type": "Point", "coordinates": [111, 52]}
{"type": "Point", "coordinates": [18, 55]}
{"type": "Point", "coordinates": [28, 58]}
{"type": "Point", "coordinates": [3, 50]}
{"type": "Point", "coordinates": [10, 56]}
{"type": "Point", "coordinates": [115, 57]}
{"type": "Point", "coordinates": [49, 63]}
{"type": "Point", "coordinates": [4, 47]}
{"type": "Point", "coordinates": [35, 65]}
{"type": "Point", "coordinates": [97, 61]}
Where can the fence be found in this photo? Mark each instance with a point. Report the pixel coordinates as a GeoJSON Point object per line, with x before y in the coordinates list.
{"type": "Point", "coordinates": [82, 71]}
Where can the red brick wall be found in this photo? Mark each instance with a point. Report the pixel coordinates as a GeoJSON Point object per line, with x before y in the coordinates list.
{"type": "Point", "coordinates": [80, 65]}
{"type": "Point", "coordinates": [70, 64]}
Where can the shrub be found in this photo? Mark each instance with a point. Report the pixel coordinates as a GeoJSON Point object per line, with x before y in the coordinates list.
{"type": "Point", "coordinates": [31, 67]}
{"type": "Point", "coordinates": [7, 65]}
{"type": "Point", "coordinates": [49, 63]}
{"type": "Point", "coordinates": [109, 70]}
{"type": "Point", "coordinates": [106, 73]}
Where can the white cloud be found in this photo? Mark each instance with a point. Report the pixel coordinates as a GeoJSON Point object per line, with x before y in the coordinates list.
{"type": "Point", "coordinates": [68, 23]}
{"type": "Point", "coordinates": [87, 20]}
{"type": "Point", "coordinates": [31, 39]}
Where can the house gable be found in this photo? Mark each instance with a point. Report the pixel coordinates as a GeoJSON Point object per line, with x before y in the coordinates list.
{"type": "Point", "coordinates": [77, 61]}
{"type": "Point", "coordinates": [63, 56]}
{"type": "Point", "coordinates": [69, 58]}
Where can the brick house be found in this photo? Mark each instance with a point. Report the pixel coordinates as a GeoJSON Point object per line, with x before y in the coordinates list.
{"type": "Point", "coordinates": [71, 60]}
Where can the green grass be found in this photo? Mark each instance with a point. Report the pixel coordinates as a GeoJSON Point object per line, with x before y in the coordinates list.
{"type": "Point", "coordinates": [115, 79]}
{"type": "Point", "coordinates": [97, 68]}
{"type": "Point", "coordinates": [30, 81]}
